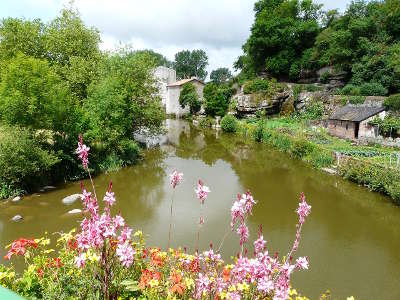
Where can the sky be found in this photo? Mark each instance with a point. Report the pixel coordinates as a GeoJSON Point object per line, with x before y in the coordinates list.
{"type": "Point", "coordinates": [220, 27]}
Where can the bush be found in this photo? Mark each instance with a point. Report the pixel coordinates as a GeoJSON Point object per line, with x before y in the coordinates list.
{"type": "Point", "coordinates": [373, 89]}
{"type": "Point", "coordinates": [216, 99]}
{"type": "Point", "coordinates": [392, 103]}
{"type": "Point", "coordinates": [320, 158]}
{"type": "Point", "coordinates": [256, 85]}
{"type": "Point", "coordinates": [229, 123]}
{"type": "Point", "coordinates": [23, 162]}
{"type": "Point", "coordinates": [301, 148]}
{"type": "Point", "coordinates": [350, 89]}
{"type": "Point", "coordinates": [315, 111]}
{"type": "Point", "coordinates": [258, 133]}
{"type": "Point", "coordinates": [189, 97]}
{"type": "Point", "coordinates": [356, 99]}
{"type": "Point", "coordinates": [324, 77]}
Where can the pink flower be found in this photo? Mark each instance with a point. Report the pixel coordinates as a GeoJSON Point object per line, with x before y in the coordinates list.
{"type": "Point", "coordinates": [237, 212]}
{"type": "Point", "coordinates": [119, 221]}
{"type": "Point", "coordinates": [83, 152]}
{"type": "Point", "coordinates": [302, 263]}
{"type": "Point", "coordinates": [248, 202]}
{"type": "Point", "coordinates": [80, 260]}
{"type": "Point", "coordinates": [259, 244]}
{"type": "Point", "coordinates": [265, 284]}
{"type": "Point", "coordinates": [243, 233]}
{"type": "Point", "coordinates": [109, 198]}
{"type": "Point", "coordinates": [304, 209]}
{"type": "Point", "coordinates": [125, 253]}
{"type": "Point", "coordinates": [202, 191]}
{"type": "Point", "coordinates": [175, 178]}
{"type": "Point", "coordinates": [125, 234]}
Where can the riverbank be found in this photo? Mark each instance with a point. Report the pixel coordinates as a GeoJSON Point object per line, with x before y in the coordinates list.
{"type": "Point", "coordinates": [373, 166]}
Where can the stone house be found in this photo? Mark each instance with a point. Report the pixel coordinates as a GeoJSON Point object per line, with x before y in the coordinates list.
{"type": "Point", "coordinates": [351, 121]}
{"type": "Point", "coordinates": [173, 92]}
{"type": "Point", "coordinates": [170, 90]}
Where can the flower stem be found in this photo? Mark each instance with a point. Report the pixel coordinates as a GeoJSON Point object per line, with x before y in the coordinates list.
{"type": "Point", "coordinates": [170, 219]}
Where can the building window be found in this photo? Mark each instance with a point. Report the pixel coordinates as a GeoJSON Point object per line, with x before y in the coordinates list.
{"type": "Point", "coordinates": [347, 126]}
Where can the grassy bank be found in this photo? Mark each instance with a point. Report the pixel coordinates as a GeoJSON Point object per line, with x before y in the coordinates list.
{"type": "Point", "coordinates": [369, 165]}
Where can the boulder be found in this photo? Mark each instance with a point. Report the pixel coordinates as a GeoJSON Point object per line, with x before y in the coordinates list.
{"type": "Point", "coordinates": [75, 211]}
{"type": "Point", "coordinates": [16, 199]}
{"type": "Point", "coordinates": [71, 199]}
{"type": "Point", "coordinates": [17, 218]}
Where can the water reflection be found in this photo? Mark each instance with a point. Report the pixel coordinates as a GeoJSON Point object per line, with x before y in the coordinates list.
{"type": "Point", "coordinates": [352, 236]}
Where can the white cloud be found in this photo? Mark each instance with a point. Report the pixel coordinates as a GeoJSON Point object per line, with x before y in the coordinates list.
{"type": "Point", "coordinates": [220, 27]}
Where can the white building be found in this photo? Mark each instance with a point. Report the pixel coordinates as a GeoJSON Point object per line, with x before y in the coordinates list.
{"type": "Point", "coordinates": [170, 90]}
{"type": "Point", "coordinates": [164, 76]}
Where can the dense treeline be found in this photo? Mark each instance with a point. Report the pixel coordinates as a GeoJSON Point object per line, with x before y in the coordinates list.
{"type": "Point", "coordinates": [290, 38]}
{"type": "Point", "coordinates": [56, 83]}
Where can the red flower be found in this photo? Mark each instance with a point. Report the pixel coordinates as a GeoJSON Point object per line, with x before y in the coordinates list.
{"type": "Point", "coordinates": [40, 272]}
{"type": "Point", "coordinates": [146, 276]}
{"type": "Point", "coordinates": [72, 244]}
{"type": "Point", "coordinates": [177, 286]}
{"type": "Point", "coordinates": [18, 247]}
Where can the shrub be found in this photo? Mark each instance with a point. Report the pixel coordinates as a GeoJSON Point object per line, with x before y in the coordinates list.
{"type": "Point", "coordinates": [315, 111]}
{"type": "Point", "coordinates": [294, 72]}
{"type": "Point", "coordinates": [301, 148]}
{"type": "Point", "coordinates": [373, 89]}
{"type": "Point", "coordinates": [216, 99]}
{"type": "Point", "coordinates": [23, 162]}
{"type": "Point", "coordinates": [356, 99]}
{"type": "Point", "coordinates": [206, 122]}
{"type": "Point", "coordinates": [324, 77]}
{"type": "Point", "coordinates": [189, 97]}
{"type": "Point", "coordinates": [320, 158]}
{"type": "Point", "coordinates": [350, 89]}
{"type": "Point", "coordinates": [256, 85]}
{"type": "Point", "coordinates": [392, 103]}
{"type": "Point", "coordinates": [229, 123]}
{"type": "Point", "coordinates": [258, 133]}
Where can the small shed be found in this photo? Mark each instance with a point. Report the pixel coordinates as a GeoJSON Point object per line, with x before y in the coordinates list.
{"type": "Point", "coordinates": [173, 92]}
{"type": "Point", "coordinates": [352, 121]}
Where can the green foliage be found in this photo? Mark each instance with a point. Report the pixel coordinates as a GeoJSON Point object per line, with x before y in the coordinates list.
{"type": "Point", "coordinates": [372, 89]}
{"type": "Point", "coordinates": [159, 59]}
{"type": "Point", "coordinates": [256, 86]}
{"type": "Point", "coordinates": [387, 126]}
{"type": "Point", "coordinates": [217, 99]}
{"type": "Point", "coordinates": [191, 64]}
{"type": "Point", "coordinates": [314, 111]}
{"type": "Point", "coordinates": [392, 103]}
{"type": "Point", "coordinates": [324, 77]}
{"type": "Point", "coordinates": [356, 99]}
{"type": "Point", "coordinates": [375, 177]}
{"type": "Point", "coordinates": [229, 123]}
{"type": "Point", "coordinates": [188, 96]}
{"type": "Point", "coordinates": [23, 160]}
{"type": "Point", "coordinates": [350, 89]}
{"type": "Point", "coordinates": [33, 95]}
{"type": "Point", "coordinates": [301, 147]}
{"type": "Point", "coordinates": [282, 33]}
{"type": "Point", "coordinates": [220, 75]}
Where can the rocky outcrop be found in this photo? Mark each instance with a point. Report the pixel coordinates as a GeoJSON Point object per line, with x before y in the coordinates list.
{"type": "Point", "coordinates": [332, 77]}
{"type": "Point", "coordinates": [250, 104]}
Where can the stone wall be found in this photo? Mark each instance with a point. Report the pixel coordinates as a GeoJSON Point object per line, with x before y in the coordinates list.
{"type": "Point", "coordinates": [343, 129]}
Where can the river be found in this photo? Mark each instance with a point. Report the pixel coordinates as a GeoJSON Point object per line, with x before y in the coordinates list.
{"type": "Point", "coordinates": [352, 236]}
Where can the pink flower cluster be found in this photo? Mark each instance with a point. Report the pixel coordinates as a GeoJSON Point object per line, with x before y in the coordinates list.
{"type": "Point", "coordinates": [98, 229]}
{"type": "Point", "coordinates": [175, 178]}
{"type": "Point", "coordinates": [202, 191]}
{"type": "Point", "coordinates": [268, 274]}
{"type": "Point", "coordinates": [83, 152]}
{"type": "Point", "coordinates": [241, 208]}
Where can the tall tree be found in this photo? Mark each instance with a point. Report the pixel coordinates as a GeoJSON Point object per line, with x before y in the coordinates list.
{"type": "Point", "coordinates": [220, 75]}
{"type": "Point", "coordinates": [191, 63]}
{"type": "Point", "coordinates": [282, 31]}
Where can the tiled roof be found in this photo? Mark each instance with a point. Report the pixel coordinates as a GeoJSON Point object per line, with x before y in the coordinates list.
{"type": "Point", "coordinates": [183, 81]}
{"type": "Point", "coordinates": [356, 113]}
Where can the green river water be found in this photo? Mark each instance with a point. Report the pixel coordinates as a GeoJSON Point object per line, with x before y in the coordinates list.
{"type": "Point", "coordinates": [352, 236]}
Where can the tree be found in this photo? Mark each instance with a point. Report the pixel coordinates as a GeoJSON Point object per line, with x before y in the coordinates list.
{"type": "Point", "coordinates": [191, 63]}
{"type": "Point", "coordinates": [159, 59]}
{"type": "Point", "coordinates": [124, 100]}
{"type": "Point", "coordinates": [33, 95]}
{"type": "Point", "coordinates": [220, 75]}
{"type": "Point", "coordinates": [74, 49]}
{"type": "Point", "coordinates": [282, 31]}
{"type": "Point", "coordinates": [217, 99]}
{"type": "Point", "coordinates": [188, 96]}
